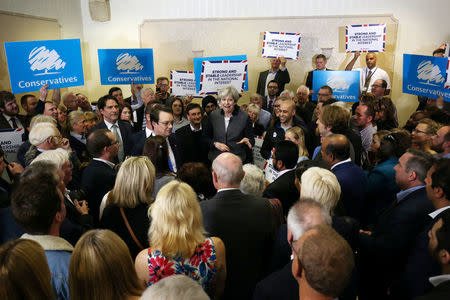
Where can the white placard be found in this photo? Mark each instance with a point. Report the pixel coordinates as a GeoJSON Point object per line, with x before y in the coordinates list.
{"type": "Point", "coordinates": [222, 73]}
{"type": "Point", "coordinates": [278, 44]}
{"type": "Point", "coordinates": [10, 141]}
{"type": "Point", "coordinates": [269, 170]}
{"type": "Point", "coordinates": [258, 160]}
{"type": "Point", "coordinates": [182, 83]}
{"type": "Point", "coordinates": [365, 38]}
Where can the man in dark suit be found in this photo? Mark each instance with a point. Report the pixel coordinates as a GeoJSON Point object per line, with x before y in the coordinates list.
{"type": "Point", "coordinates": [336, 153]}
{"type": "Point", "coordinates": [159, 122]}
{"type": "Point", "coordinates": [244, 223]}
{"type": "Point", "coordinates": [9, 117]}
{"type": "Point", "coordinates": [277, 72]}
{"type": "Point", "coordinates": [384, 251]}
{"type": "Point", "coordinates": [109, 108]}
{"type": "Point", "coordinates": [99, 176]}
{"type": "Point", "coordinates": [283, 188]}
{"type": "Point", "coordinates": [420, 266]}
{"type": "Point", "coordinates": [147, 96]}
{"type": "Point", "coordinates": [193, 147]}
{"type": "Point", "coordinates": [321, 62]}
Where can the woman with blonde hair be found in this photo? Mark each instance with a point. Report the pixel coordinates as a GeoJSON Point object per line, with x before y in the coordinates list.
{"type": "Point", "coordinates": [295, 134]}
{"type": "Point", "coordinates": [101, 268]}
{"type": "Point", "coordinates": [178, 242]}
{"type": "Point", "coordinates": [24, 259]}
{"type": "Point", "coordinates": [124, 208]}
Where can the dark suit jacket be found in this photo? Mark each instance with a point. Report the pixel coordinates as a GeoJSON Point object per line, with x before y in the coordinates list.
{"type": "Point", "coordinates": [282, 77]}
{"type": "Point", "coordinates": [385, 252]}
{"type": "Point", "coordinates": [440, 292]}
{"type": "Point", "coordinates": [79, 148]}
{"type": "Point", "coordinates": [126, 131]}
{"type": "Point", "coordinates": [353, 184]}
{"type": "Point", "coordinates": [309, 79]}
{"type": "Point", "coordinates": [24, 119]}
{"type": "Point", "coordinates": [246, 226]}
{"type": "Point", "coordinates": [140, 112]}
{"type": "Point", "coordinates": [283, 188]}
{"type": "Point", "coordinates": [278, 285]}
{"type": "Point", "coordinates": [98, 179]}
{"type": "Point", "coordinates": [193, 146]}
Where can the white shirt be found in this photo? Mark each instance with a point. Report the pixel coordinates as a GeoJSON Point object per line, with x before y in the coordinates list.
{"type": "Point", "coordinates": [340, 163]}
{"type": "Point", "coordinates": [112, 165]}
{"type": "Point", "coordinates": [18, 123]}
{"type": "Point", "coordinates": [171, 156]}
{"type": "Point", "coordinates": [378, 74]}
{"type": "Point", "coordinates": [148, 132]}
{"type": "Point", "coordinates": [435, 213]}
{"type": "Point", "coordinates": [109, 126]}
{"type": "Point", "coordinates": [437, 280]}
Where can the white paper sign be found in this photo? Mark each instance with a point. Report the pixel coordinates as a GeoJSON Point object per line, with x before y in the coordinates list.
{"type": "Point", "coordinates": [365, 38]}
{"type": "Point", "coordinates": [278, 44]}
{"type": "Point", "coordinates": [269, 170]}
{"type": "Point", "coordinates": [10, 141]}
{"type": "Point", "coordinates": [447, 83]}
{"type": "Point", "coordinates": [258, 160]}
{"type": "Point", "coordinates": [182, 83]}
{"type": "Point", "coordinates": [219, 74]}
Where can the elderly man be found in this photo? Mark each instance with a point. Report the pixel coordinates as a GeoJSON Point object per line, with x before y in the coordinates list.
{"type": "Point", "coordinates": [305, 108]}
{"type": "Point", "coordinates": [245, 224]}
{"type": "Point", "coordinates": [264, 115]}
{"type": "Point", "coordinates": [147, 95]}
{"type": "Point", "coordinates": [70, 101]}
{"type": "Point", "coordinates": [77, 135]}
{"type": "Point", "coordinates": [370, 73]}
{"type": "Point", "coordinates": [9, 117]}
{"type": "Point", "coordinates": [277, 72]}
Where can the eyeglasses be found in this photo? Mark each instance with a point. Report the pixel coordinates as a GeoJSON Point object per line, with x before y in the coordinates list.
{"type": "Point", "coordinates": [165, 124]}
{"type": "Point", "coordinates": [376, 86]}
{"type": "Point", "coordinates": [162, 85]}
{"type": "Point", "coordinates": [272, 87]}
{"type": "Point", "coordinates": [320, 94]}
{"type": "Point", "coordinates": [419, 131]}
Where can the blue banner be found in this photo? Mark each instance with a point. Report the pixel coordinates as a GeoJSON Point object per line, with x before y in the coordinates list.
{"type": "Point", "coordinates": [198, 67]}
{"type": "Point", "coordinates": [36, 63]}
{"type": "Point", "coordinates": [121, 66]}
{"type": "Point", "coordinates": [345, 84]}
{"type": "Point", "coordinates": [425, 76]}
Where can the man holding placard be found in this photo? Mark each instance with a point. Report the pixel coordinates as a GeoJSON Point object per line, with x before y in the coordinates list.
{"type": "Point", "coordinates": [370, 73]}
{"type": "Point", "coordinates": [277, 72]}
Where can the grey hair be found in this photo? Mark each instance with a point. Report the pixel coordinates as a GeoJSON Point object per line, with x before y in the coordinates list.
{"type": "Point", "coordinates": [175, 287]}
{"type": "Point", "coordinates": [41, 119]}
{"type": "Point", "coordinates": [228, 169]}
{"type": "Point", "coordinates": [254, 108]}
{"type": "Point", "coordinates": [40, 132]}
{"type": "Point", "coordinates": [229, 90]}
{"type": "Point", "coordinates": [420, 163]}
{"type": "Point", "coordinates": [303, 87]}
{"type": "Point", "coordinates": [58, 157]}
{"type": "Point", "coordinates": [289, 92]}
{"type": "Point", "coordinates": [143, 90]}
{"type": "Point", "coordinates": [304, 215]}
{"type": "Point", "coordinates": [253, 182]}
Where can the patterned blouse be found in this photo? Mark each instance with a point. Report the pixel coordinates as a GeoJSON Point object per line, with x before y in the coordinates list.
{"type": "Point", "coordinates": [201, 266]}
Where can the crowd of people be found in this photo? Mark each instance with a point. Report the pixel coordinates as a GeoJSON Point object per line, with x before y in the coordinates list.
{"type": "Point", "coordinates": [157, 196]}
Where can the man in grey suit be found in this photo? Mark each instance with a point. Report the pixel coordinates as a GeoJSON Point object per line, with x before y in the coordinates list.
{"type": "Point", "coordinates": [245, 224]}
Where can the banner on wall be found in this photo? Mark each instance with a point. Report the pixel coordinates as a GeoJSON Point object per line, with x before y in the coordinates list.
{"type": "Point", "coordinates": [365, 38]}
{"type": "Point", "coordinates": [426, 76]}
{"type": "Point", "coordinates": [182, 83]}
{"type": "Point", "coordinates": [11, 140]}
{"type": "Point", "coordinates": [278, 44]}
{"type": "Point", "coordinates": [33, 64]}
{"type": "Point", "coordinates": [221, 60]}
{"type": "Point", "coordinates": [122, 66]}
{"type": "Point", "coordinates": [345, 84]}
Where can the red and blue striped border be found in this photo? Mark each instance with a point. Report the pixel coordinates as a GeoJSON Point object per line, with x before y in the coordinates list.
{"type": "Point", "coordinates": [222, 61]}
{"type": "Point", "coordinates": [365, 25]}
{"type": "Point", "coordinates": [283, 33]}
{"type": "Point", "coordinates": [190, 72]}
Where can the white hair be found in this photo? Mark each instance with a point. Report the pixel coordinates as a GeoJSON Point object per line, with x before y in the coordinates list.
{"type": "Point", "coordinates": [175, 287]}
{"type": "Point", "coordinates": [304, 215]}
{"type": "Point", "coordinates": [253, 182]}
{"type": "Point", "coordinates": [289, 92]}
{"type": "Point", "coordinates": [303, 87]}
{"type": "Point", "coordinates": [58, 156]}
{"type": "Point", "coordinates": [229, 90]}
{"type": "Point", "coordinates": [143, 90]}
{"type": "Point", "coordinates": [42, 131]}
{"type": "Point", "coordinates": [322, 186]}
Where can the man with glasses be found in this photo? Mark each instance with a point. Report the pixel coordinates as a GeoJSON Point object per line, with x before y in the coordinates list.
{"type": "Point", "coordinates": [162, 88]}
{"type": "Point", "coordinates": [272, 93]}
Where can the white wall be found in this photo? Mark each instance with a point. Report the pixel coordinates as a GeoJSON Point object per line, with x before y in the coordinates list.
{"type": "Point", "coordinates": [423, 25]}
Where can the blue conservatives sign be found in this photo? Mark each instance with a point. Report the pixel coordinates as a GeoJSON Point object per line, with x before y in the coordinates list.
{"type": "Point", "coordinates": [345, 84]}
{"type": "Point", "coordinates": [122, 66]}
{"type": "Point", "coordinates": [36, 63]}
{"type": "Point", "coordinates": [425, 75]}
{"type": "Point", "coordinates": [198, 63]}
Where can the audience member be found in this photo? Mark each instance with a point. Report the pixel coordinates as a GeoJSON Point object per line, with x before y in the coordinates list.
{"type": "Point", "coordinates": [126, 113]}
{"type": "Point", "coordinates": [363, 118]}
{"type": "Point", "coordinates": [441, 141]}
{"type": "Point", "coordinates": [198, 176]}
{"type": "Point", "coordinates": [422, 135]}
{"type": "Point", "coordinates": [320, 62]}
{"type": "Point", "coordinates": [28, 103]}
{"type": "Point", "coordinates": [175, 287]}
{"type": "Point", "coordinates": [253, 112]}
{"type": "Point", "coordinates": [305, 108]}
{"type": "Point", "coordinates": [277, 73]}
{"type": "Point", "coordinates": [264, 115]}
{"type": "Point", "coordinates": [162, 90]}
{"type": "Point", "coordinates": [209, 104]}
{"type": "Point", "coordinates": [9, 117]}
{"type": "Point", "coordinates": [77, 135]}
{"type": "Point", "coordinates": [295, 134]}
{"type": "Point", "coordinates": [179, 120]}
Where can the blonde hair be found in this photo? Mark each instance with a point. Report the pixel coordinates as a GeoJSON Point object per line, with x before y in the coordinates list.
{"type": "Point", "coordinates": [299, 135]}
{"type": "Point", "coordinates": [134, 184]}
{"type": "Point", "coordinates": [177, 223]}
{"type": "Point", "coordinates": [322, 186]}
{"type": "Point", "coordinates": [74, 117]}
{"type": "Point", "coordinates": [20, 259]}
{"type": "Point", "coordinates": [101, 267]}
{"type": "Point", "coordinates": [89, 115]}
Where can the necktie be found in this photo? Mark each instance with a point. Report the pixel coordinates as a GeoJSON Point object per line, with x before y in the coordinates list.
{"type": "Point", "coordinates": [120, 154]}
{"type": "Point", "coordinates": [367, 82]}
{"type": "Point", "coordinates": [14, 123]}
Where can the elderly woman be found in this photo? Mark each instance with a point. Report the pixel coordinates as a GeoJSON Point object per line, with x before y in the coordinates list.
{"type": "Point", "coordinates": [229, 129]}
{"type": "Point", "coordinates": [127, 203]}
{"type": "Point", "coordinates": [101, 268]}
{"type": "Point", "coordinates": [77, 136]}
{"type": "Point", "coordinates": [178, 242]}
{"type": "Point", "coordinates": [253, 111]}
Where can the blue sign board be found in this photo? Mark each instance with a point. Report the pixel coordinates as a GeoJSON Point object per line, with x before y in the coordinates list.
{"type": "Point", "coordinates": [54, 62]}
{"type": "Point", "coordinates": [122, 66]}
{"type": "Point", "coordinates": [198, 67]}
{"type": "Point", "coordinates": [345, 84]}
{"type": "Point", "coordinates": [425, 76]}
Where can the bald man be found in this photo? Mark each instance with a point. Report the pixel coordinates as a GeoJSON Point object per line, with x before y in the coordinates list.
{"type": "Point", "coordinates": [369, 74]}
{"type": "Point", "coordinates": [245, 224]}
{"type": "Point", "coordinates": [336, 153]}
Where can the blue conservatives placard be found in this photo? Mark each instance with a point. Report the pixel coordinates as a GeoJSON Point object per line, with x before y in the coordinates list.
{"type": "Point", "coordinates": [345, 84]}
{"type": "Point", "coordinates": [425, 76]}
{"type": "Point", "coordinates": [198, 67]}
{"type": "Point", "coordinates": [36, 63]}
{"type": "Point", "coordinates": [122, 66]}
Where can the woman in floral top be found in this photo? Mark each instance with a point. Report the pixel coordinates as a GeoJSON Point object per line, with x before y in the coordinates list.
{"type": "Point", "coordinates": [178, 243]}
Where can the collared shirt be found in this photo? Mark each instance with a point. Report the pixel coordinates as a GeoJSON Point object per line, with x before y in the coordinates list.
{"type": "Point", "coordinates": [79, 137]}
{"type": "Point", "coordinates": [148, 132]}
{"type": "Point", "coordinates": [377, 74]}
{"type": "Point", "coordinates": [109, 126]}
{"type": "Point", "coordinates": [67, 195]}
{"type": "Point", "coordinates": [435, 213]}
{"type": "Point", "coordinates": [402, 194]}
{"type": "Point", "coordinates": [341, 162]}
{"type": "Point", "coordinates": [282, 172]}
{"type": "Point", "coordinates": [171, 157]}
{"type": "Point", "coordinates": [271, 76]}
{"type": "Point", "coordinates": [227, 189]}
{"type": "Point", "coordinates": [49, 242]}
{"type": "Point", "coordinates": [195, 130]}
{"type": "Point", "coordinates": [18, 123]}
{"type": "Point", "coordinates": [437, 280]}
{"type": "Point", "coordinates": [112, 165]}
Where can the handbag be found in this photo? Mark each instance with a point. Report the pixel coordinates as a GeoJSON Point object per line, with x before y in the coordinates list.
{"type": "Point", "coordinates": [130, 230]}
